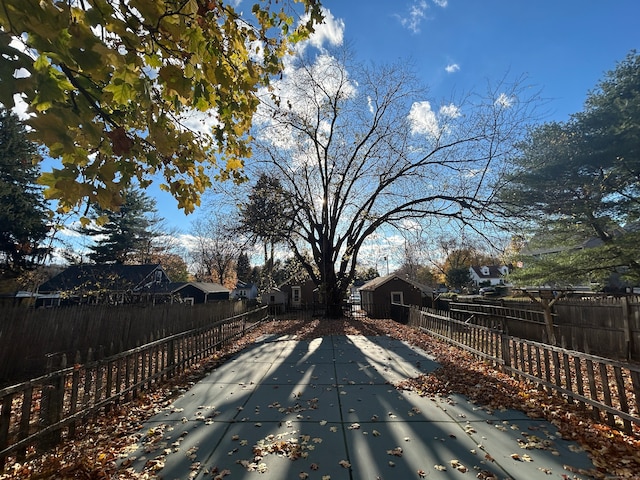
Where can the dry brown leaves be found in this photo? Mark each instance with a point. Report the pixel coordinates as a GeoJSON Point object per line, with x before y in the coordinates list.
{"type": "Point", "coordinates": [92, 454]}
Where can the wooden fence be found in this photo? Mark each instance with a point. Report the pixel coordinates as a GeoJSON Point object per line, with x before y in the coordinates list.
{"type": "Point", "coordinates": [28, 335]}
{"type": "Point", "coordinates": [37, 414]}
{"type": "Point", "coordinates": [608, 327]}
{"type": "Point", "coordinates": [607, 387]}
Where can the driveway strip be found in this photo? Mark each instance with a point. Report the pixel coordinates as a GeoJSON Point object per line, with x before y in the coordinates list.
{"type": "Point", "coordinates": [328, 409]}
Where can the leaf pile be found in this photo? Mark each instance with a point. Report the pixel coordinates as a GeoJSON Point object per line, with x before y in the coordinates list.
{"type": "Point", "coordinates": [93, 453]}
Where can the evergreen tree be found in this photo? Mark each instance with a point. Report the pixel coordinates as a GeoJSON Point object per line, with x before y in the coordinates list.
{"type": "Point", "coordinates": [265, 219]}
{"type": "Point", "coordinates": [23, 212]}
{"type": "Point", "coordinates": [243, 267]}
{"type": "Point", "coordinates": [576, 184]}
{"type": "Point", "coordinates": [126, 233]}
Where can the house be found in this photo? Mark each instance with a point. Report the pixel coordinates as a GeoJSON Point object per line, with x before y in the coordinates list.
{"type": "Point", "coordinates": [301, 293]}
{"type": "Point", "coordinates": [378, 295]}
{"type": "Point", "coordinates": [297, 293]}
{"type": "Point", "coordinates": [246, 291]}
{"type": "Point", "coordinates": [487, 275]}
{"type": "Point", "coordinates": [107, 283]}
{"type": "Point", "coordinates": [276, 299]}
{"type": "Point", "coordinates": [199, 292]}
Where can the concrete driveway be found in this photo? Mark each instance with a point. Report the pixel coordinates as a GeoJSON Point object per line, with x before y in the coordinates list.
{"type": "Point", "coordinates": [327, 409]}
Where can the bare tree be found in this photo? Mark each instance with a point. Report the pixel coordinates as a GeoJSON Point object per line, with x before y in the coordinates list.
{"type": "Point", "coordinates": [358, 149]}
{"type": "Point", "coordinates": [216, 247]}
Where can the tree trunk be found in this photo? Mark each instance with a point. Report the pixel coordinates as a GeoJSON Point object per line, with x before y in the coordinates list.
{"type": "Point", "coordinates": [334, 301]}
{"type": "Point", "coordinates": [333, 297]}
{"type": "Point", "coordinates": [548, 320]}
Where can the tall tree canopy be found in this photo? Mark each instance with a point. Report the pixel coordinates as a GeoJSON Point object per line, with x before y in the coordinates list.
{"type": "Point", "coordinates": [358, 149]}
{"type": "Point", "coordinates": [24, 219]}
{"type": "Point", "coordinates": [576, 184]}
{"type": "Point", "coordinates": [263, 218]}
{"type": "Point", "coordinates": [128, 89]}
{"type": "Point", "coordinates": [124, 235]}
{"type": "Point", "coordinates": [215, 249]}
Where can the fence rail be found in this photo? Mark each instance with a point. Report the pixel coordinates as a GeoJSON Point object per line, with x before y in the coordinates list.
{"type": "Point", "coordinates": [37, 414]}
{"type": "Point", "coordinates": [608, 388]}
{"type": "Point", "coordinates": [609, 327]}
{"type": "Point", "coordinates": [27, 334]}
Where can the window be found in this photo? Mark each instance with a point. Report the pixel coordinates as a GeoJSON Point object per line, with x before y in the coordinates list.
{"type": "Point", "coordinates": [272, 299]}
{"type": "Point", "coordinates": [396, 298]}
{"type": "Point", "coordinates": [158, 276]}
{"type": "Point", "coordinates": [295, 294]}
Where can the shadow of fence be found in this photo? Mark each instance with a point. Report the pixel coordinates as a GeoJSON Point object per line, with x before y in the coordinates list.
{"type": "Point", "coordinates": [37, 414]}
{"type": "Point", "coordinates": [607, 387]}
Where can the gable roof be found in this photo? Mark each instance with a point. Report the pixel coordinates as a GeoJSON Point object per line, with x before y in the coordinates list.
{"type": "Point", "coordinates": [493, 271]}
{"type": "Point", "coordinates": [378, 282]}
{"type": "Point", "coordinates": [115, 277]}
{"type": "Point", "coordinates": [206, 287]}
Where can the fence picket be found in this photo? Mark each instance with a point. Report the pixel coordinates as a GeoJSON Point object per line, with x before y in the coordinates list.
{"type": "Point", "coordinates": [5, 416]}
{"type": "Point", "coordinates": [99, 383]}
{"type": "Point", "coordinates": [622, 396]}
{"type": "Point", "coordinates": [593, 389]}
{"type": "Point", "coordinates": [558, 370]}
{"type": "Point", "coordinates": [567, 373]}
{"type": "Point", "coordinates": [577, 365]}
{"type": "Point", "coordinates": [606, 391]}
{"type": "Point", "coordinates": [25, 414]}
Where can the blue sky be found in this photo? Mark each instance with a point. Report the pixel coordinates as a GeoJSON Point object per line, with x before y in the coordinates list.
{"type": "Point", "coordinates": [563, 47]}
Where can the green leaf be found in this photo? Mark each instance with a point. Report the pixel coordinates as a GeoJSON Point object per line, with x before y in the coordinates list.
{"type": "Point", "coordinates": [122, 92]}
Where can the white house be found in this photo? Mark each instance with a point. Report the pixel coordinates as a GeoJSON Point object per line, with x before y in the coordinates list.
{"type": "Point", "coordinates": [247, 291]}
{"type": "Point", "coordinates": [488, 274]}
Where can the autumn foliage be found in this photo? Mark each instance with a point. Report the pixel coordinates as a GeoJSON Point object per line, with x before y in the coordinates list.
{"type": "Point", "coordinates": [94, 452]}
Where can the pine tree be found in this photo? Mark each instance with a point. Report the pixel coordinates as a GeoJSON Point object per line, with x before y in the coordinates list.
{"type": "Point", "coordinates": [243, 267]}
{"type": "Point", "coordinates": [126, 235]}
{"type": "Point", "coordinates": [23, 212]}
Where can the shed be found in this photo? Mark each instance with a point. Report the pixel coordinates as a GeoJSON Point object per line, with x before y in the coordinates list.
{"type": "Point", "coordinates": [378, 295]}
{"type": "Point", "coordinates": [302, 294]}
{"type": "Point", "coordinates": [276, 299]}
{"type": "Point", "coordinates": [201, 292]}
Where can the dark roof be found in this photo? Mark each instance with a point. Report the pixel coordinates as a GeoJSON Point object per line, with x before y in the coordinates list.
{"type": "Point", "coordinates": [494, 271]}
{"type": "Point", "coordinates": [206, 287]}
{"type": "Point", "coordinates": [377, 282]}
{"type": "Point", "coordinates": [114, 277]}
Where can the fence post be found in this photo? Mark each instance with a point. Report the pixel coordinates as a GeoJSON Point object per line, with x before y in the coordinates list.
{"type": "Point", "coordinates": [220, 341]}
{"type": "Point", "coordinates": [171, 360]}
{"type": "Point", "coordinates": [52, 403]}
{"type": "Point", "coordinates": [506, 350]}
{"type": "Point", "coordinates": [5, 422]}
{"type": "Point", "coordinates": [626, 326]}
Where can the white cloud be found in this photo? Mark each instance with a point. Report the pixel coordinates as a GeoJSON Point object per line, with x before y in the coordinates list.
{"type": "Point", "coordinates": [21, 107]}
{"type": "Point", "coordinates": [200, 122]}
{"type": "Point", "coordinates": [295, 92]}
{"type": "Point", "coordinates": [451, 111]}
{"type": "Point", "coordinates": [504, 100]}
{"type": "Point", "coordinates": [330, 31]}
{"type": "Point", "coordinates": [423, 119]}
{"type": "Point", "coordinates": [370, 104]}
{"type": "Point", "coordinates": [417, 13]}
{"type": "Point", "coordinates": [452, 68]}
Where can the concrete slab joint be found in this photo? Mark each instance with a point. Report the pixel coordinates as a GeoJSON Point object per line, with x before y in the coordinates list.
{"type": "Point", "coordinates": [328, 409]}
